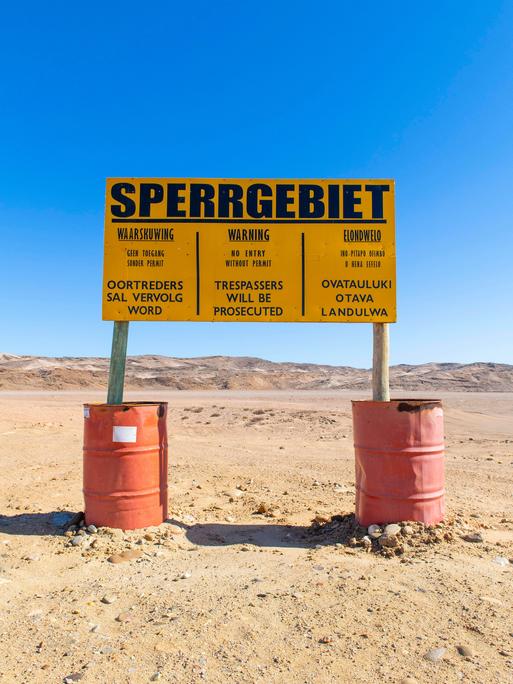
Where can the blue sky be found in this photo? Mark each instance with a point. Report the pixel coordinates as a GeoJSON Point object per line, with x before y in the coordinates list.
{"type": "Point", "coordinates": [420, 92]}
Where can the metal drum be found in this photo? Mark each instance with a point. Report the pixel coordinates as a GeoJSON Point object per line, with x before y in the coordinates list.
{"type": "Point", "coordinates": [125, 464]}
{"type": "Point", "coordinates": [399, 460]}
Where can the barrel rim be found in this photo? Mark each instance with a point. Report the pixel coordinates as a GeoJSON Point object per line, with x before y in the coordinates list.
{"type": "Point", "coordinates": [124, 404]}
{"type": "Point", "coordinates": [400, 400]}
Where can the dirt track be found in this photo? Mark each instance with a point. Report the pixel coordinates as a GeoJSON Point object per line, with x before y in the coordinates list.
{"type": "Point", "coordinates": [262, 603]}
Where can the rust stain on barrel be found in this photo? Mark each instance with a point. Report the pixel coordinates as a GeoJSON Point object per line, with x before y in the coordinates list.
{"type": "Point", "coordinates": [416, 405]}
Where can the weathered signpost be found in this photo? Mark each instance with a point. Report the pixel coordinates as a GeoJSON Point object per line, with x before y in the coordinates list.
{"type": "Point", "coordinates": [117, 362]}
{"type": "Point", "coordinates": [256, 250]}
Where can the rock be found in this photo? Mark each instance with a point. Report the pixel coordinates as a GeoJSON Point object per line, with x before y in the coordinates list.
{"type": "Point", "coordinates": [374, 531]}
{"type": "Point", "coordinates": [465, 651]}
{"type": "Point", "coordinates": [76, 541]}
{"type": "Point", "coordinates": [322, 519]}
{"type": "Point", "coordinates": [75, 677]}
{"type": "Point", "coordinates": [366, 541]}
{"type": "Point", "coordinates": [408, 680]}
{"type": "Point", "coordinates": [186, 574]}
{"type": "Point", "coordinates": [263, 508]}
{"type": "Point", "coordinates": [109, 598]}
{"type": "Point", "coordinates": [389, 541]}
{"type": "Point", "coordinates": [81, 532]}
{"type": "Point", "coordinates": [407, 530]}
{"type": "Point", "coordinates": [124, 617]}
{"type": "Point", "coordinates": [94, 628]}
{"type": "Point", "coordinates": [149, 536]}
{"type": "Point", "coordinates": [326, 640]}
{"type": "Point", "coordinates": [435, 654]}
{"type": "Point", "coordinates": [473, 537]}
{"type": "Point", "coordinates": [491, 599]}
{"type": "Point", "coordinates": [32, 557]}
{"type": "Point", "coordinates": [155, 677]}
{"type": "Point", "coordinates": [92, 529]}
{"type": "Point", "coordinates": [174, 529]}
{"type": "Point", "coordinates": [106, 650]}
{"type": "Point", "coordinates": [125, 556]}
{"type": "Point", "coordinates": [392, 529]}
{"type": "Point", "coordinates": [500, 560]}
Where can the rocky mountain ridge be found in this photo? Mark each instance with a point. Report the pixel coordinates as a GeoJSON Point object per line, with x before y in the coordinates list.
{"type": "Point", "coordinates": [239, 373]}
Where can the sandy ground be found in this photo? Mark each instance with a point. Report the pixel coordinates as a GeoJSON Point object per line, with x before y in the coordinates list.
{"type": "Point", "coordinates": [242, 597]}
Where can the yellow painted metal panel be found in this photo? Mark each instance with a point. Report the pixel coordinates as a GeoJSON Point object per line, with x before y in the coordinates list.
{"type": "Point", "coordinates": [249, 250]}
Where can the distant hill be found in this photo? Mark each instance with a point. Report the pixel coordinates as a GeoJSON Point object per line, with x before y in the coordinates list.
{"type": "Point", "coordinates": [228, 372]}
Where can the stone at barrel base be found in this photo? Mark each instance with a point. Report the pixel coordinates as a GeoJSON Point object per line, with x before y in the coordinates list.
{"type": "Point", "coordinates": [374, 531]}
{"type": "Point", "coordinates": [392, 529]}
{"type": "Point", "coordinates": [322, 519]}
{"type": "Point", "coordinates": [389, 540]}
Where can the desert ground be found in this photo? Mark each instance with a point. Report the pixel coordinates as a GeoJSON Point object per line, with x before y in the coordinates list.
{"type": "Point", "coordinates": [225, 593]}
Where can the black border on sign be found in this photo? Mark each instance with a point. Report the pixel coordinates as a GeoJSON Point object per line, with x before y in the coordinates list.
{"type": "Point", "coordinates": [197, 274]}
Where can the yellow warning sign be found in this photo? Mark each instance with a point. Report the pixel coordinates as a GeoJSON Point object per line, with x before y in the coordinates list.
{"type": "Point", "coordinates": [249, 250]}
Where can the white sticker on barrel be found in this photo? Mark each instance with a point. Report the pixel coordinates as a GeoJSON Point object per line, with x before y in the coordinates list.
{"type": "Point", "coordinates": [86, 411]}
{"type": "Point", "coordinates": [124, 433]}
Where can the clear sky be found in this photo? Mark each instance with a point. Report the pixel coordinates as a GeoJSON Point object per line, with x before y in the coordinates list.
{"type": "Point", "coordinates": [417, 91]}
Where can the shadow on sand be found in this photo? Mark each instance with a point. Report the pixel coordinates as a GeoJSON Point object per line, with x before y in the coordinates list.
{"type": "Point", "coordinates": [274, 536]}
{"type": "Point", "coordinates": [39, 524]}
{"type": "Point", "coordinates": [207, 534]}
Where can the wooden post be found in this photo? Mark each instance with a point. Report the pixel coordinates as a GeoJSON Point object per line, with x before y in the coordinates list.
{"type": "Point", "coordinates": [117, 362]}
{"type": "Point", "coordinates": [380, 381]}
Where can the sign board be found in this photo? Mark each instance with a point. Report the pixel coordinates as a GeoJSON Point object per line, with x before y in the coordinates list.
{"type": "Point", "coordinates": [249, 250]}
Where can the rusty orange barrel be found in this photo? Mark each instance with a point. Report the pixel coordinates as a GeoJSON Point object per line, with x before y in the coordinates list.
{"type": "Point", "coordinates": [125, 464]}
{"type": "Point", "coordinates": [399, 460]}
